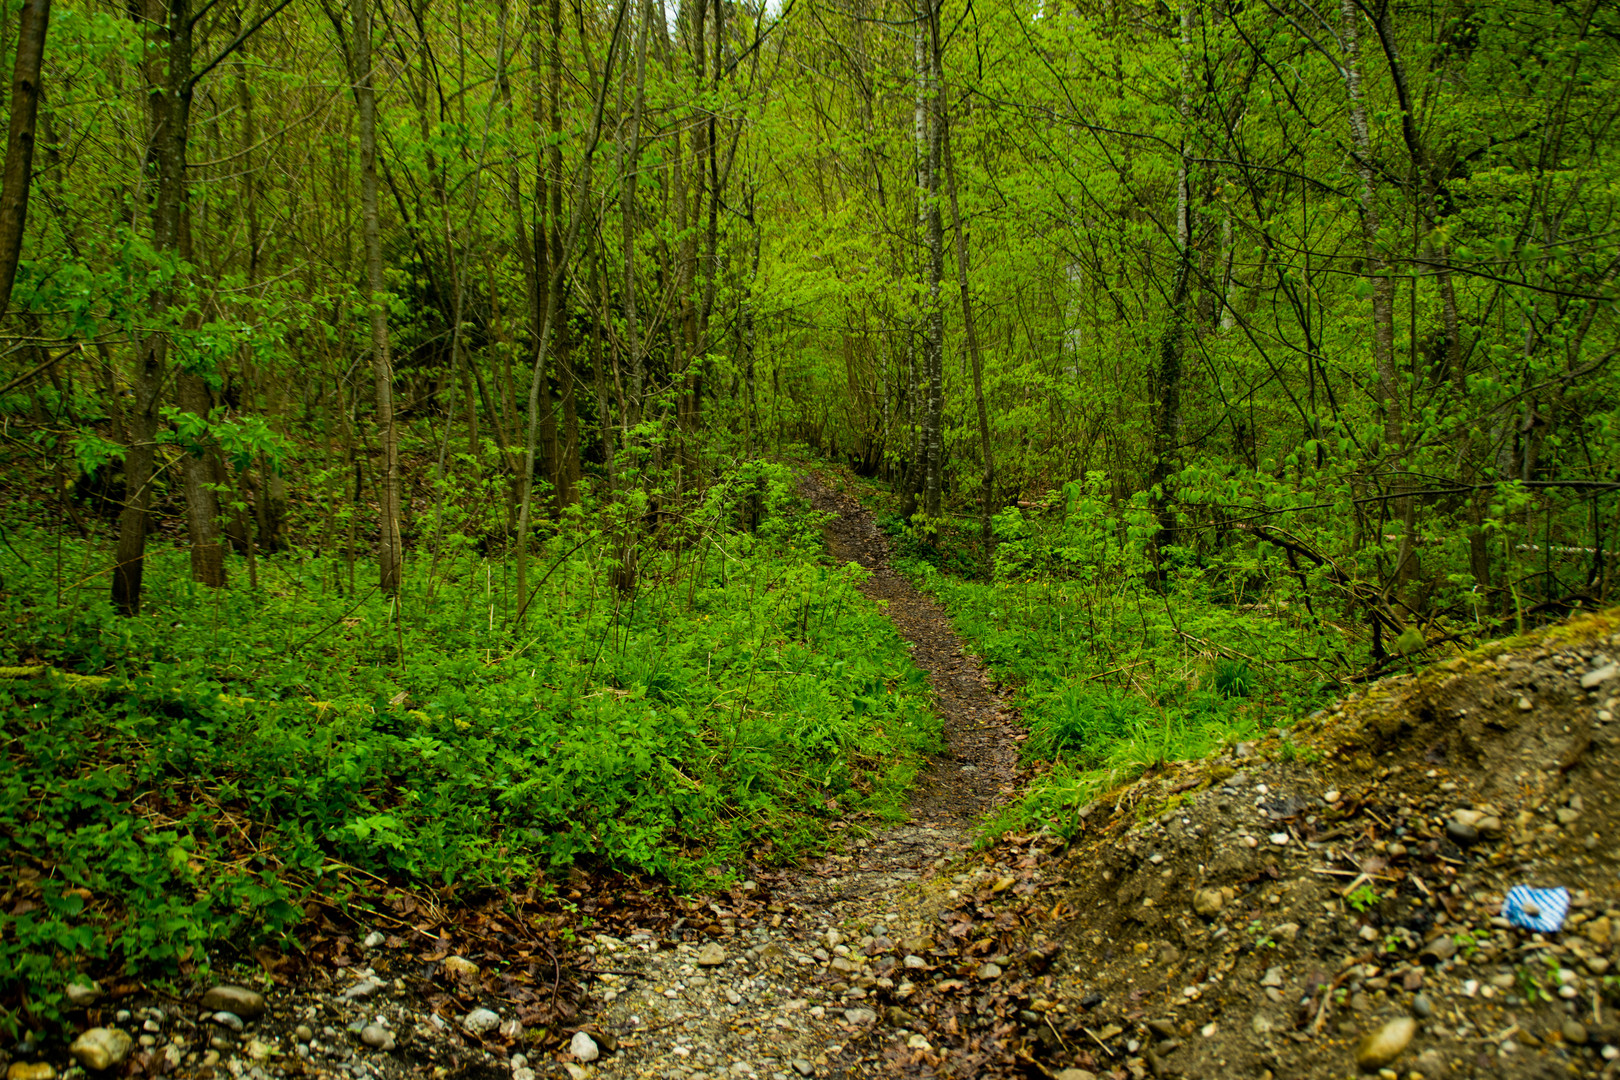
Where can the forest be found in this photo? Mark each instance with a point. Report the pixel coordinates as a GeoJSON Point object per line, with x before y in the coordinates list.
{"type": "Point", "coordinates": [404, 407]}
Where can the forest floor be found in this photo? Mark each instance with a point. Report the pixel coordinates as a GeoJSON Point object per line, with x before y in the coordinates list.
{"type": "Point", "coordinates": [1320, 902]}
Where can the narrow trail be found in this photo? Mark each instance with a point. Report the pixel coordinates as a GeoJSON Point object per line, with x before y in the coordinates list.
{"type": "Point", "coordinates": [805, 994]}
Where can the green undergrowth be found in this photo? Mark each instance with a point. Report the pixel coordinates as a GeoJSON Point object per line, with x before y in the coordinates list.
{"type": "Point", "coordinates": [1121, 659]}
{"type": "Point", "coordinates": [193, 776]}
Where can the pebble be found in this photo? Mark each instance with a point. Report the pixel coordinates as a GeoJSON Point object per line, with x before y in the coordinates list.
{"type": "Point", "coordinates": [22, 1070]}
{"type": "Point", "coordinates": [1422, 1007]}
{"type": "Point", "coordinates": [860, 1016]}
{"type": "Point", "coordinates": [1574, 1032]}
{"type": "Point", "coordinates": [377, 1037]}
{"type": "Point", "coordinates": [480, 1021]}
{"type": "Point", "coordinates": [303, 1033]}
{"type": "Point", "coordinates": [583, 1047]}
{"type": "Point", "coordinates": [1206, 902]}
{"type": "Point", "coordinates": [1460, 834]}
{"type": "Point", "coordinates": [990, 972]}
{"type": "Point", "coordinates": [83, 994]}
{"type": "Point", "coordinates": [711, 955]}
{"type": "Point", "coordinates": [374, 940]}
{"type": "Point", "coordinates": [1280, 839]}
{"type": "Point", "coordinates": [1597, 676]}
{"type": "Point", "coordinates": [1439, 950]}
{"type": "Point", "coordinates": [100, 1049]}
{"type": "Point", "coordinates": [234, 999]}
{"type": "Point", "coordinates": [228, 1020]}
{"type": "Point", "coordinates": [1386, 1044]}
{"type": "Point", "coordinates": [459, 967]}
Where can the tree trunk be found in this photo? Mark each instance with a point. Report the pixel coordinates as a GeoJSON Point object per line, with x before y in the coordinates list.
{"type": "Point", "coordinates": [167, 70]}
{"type": "Point", "coordinates": [970, 327]}
{"type": "Point", "coordinates": [390, 556]}
{"type": "Point", "coordinates": [31, 26]}
{"type": "Point", "coordinates": [934, 341]}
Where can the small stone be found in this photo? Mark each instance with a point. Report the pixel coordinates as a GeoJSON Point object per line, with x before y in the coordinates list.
{"type": "Point", "coordinates": [1412, 981]}
{"type": "Point", "coordinates": [803, 1067]}
{"type": "Point", "coordinates": [219, 1042]}
{"type": "Point", "coordinates": [711, 955]}
{"type": "Point", "coordinates": [459, 967]}
{"type": "Point", "coordinates": [1386, 1044]}
{"type": "Point", "coordinates": [1574, 1032]}
{"type": "Point", "coordinates": [1439, 950]}
{"type": "Point", "coordinates": [377, 1037]}
{"type": "Point", "coordinates": [1597, 965]}
{"type": "Point", "coordinates": [1525, 704]}
{"type": "Point", "coordinates": [1273, 976]}
{"type": "Point", "coordinates": [22, 1070]}
{"type": "Point", "coordinates": [82, 994]}
{"type": "Point", "coordinates": [1461, 835]}
{"type": "Point", "coordinates": [1467, 817]}
{"type": "Point", "coordinates": [1331, 797]}
{"type": "Point", "coordinates": [1208, 902]}
{"type": "Point", "coordinates": [915, 962]}
{"type": "Point", "coordinates": [1431, 1064]}
{"type": "Point", "coordinates": [100, 1049]}
{"type": "Point", "coordinates": [1567, 815]}
{"type": "Point", "coordinates": [1422, 1007]}
{"type": "Point", "coordinates": [1597, 676]}
{"type": "Point", "coordinates": [919, 1042]}
{"type": "Point", "coordinates": [363, 989]}
{"type": "Point", "coordinates": [583, 1047]}
{"type": "Point", "coordinates": [990, 972]}
{"type": "Point", "coordinates": [303, 1033]}
{"type": "Point", "coordinates": [258, 1050]}
{"type": "Point", "coordinates": [480, 1021]}
{"type": "Point", "coordinates": [374, 940]}
{"type": "Point", "coordinates": [1076, 1074]}
{"type": "Point", "coordinates": [1280, 839]}
{"type": "Point", "coordinates": [575, 1072]}
{"type": "Point", "coordinates": [233, 999]}
{"type": "Point", "coordinates": [228, 1020]}
{"type": "Point", "coordinates": [860, 1016]}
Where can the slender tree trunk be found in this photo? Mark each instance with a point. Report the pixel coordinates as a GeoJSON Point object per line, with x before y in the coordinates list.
{"type": "Point", "coordinates": [167, 70]}
{"type": "Point", "coordinates": [933, 233]}
{"type": "Point", "coordinates": [1165, 377]}
{"type": "Point", "coordinates": [31, 26]}
{"type": "Point", "coordinates": [390, 556]}
{"type": "Point", "coordinates": [581, 178]}
{"type": "Point", "coordinates": [630, 167]}
{"type": "Point", "coordinates": [970, 326]}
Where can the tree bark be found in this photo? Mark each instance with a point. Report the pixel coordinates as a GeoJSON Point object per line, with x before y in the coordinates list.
{"type": "Point", "coordinates": [390, 556]}
{"type": "Point", "coordinates": [166, 67]}
{"type": "Point", "coordinates": [31, 25]}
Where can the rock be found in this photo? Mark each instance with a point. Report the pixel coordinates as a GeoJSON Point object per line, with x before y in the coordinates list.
{"type": "Point", "coordinates": [228, 1020]}
{"type": "Point", "coordinates": [234, 999]}
{"type": "Point", "coordinates": [100, 1049]}
{"type": "Point", "coordinates": [1574, 1032]}
{"type": "Point", "coordinates": [1076, 1074]}
{"type": "Point", "coordinates": [219, 1042]}
{"type": "Point", "coordinates": [583, 1047]}
{"type": "Point", "coordinates": [1439, 950]}
{"type": "Point", "coordinates": [915, 962]}
{"type": "Point", "coordinates": [1386, 1044]}
{"type": "Point", "coordinates": [1597, 676]}
{"type": "Point", "coordinates": [22, 1070]}
{"type": "Point", "coordinates": [459, 967]}
{"type": "Point", "coordinates": [512, 1029]}
{"type": "Point", "coordinates": [303, 1033]}
{"type": "Point", "coordinates": [860, 1016]}
{"type": "Point", "coordinates": [1273, 976]}
{"type": "Point", "coordinates": [1597, 965]}
{"type": "Point", "coordinates": [919, 1042]}
{"type": "Point", "coordinates": [374, 940]}
{"type": "Point", "coordinates": [1599, 932]}
{"type": "Point", "coordinates": [711, 955]}
{"type": "Point", "coordinates": [803, 1067]}
{"type": "Point", "coordinates": [1422, 1007]}
{"type": "Point", "coordinates": [575, 1072]}
{"type": "Point", "coordinates": [989, 972]}
{"type": "Point", "coordinates": [1471, 818]}
{"type": "Point", "coordinates": [1461, 835]}
{"type": "Point", "coordinates": [83, 994]}
{"type": "Point", "coordinates": [480, 1021]}
{"type": "Point", "coordinates": [1208, 902]}
{"type": "Point", "coordinates": [1431, 1064]}
{"type": "Point", "coordinates": [834, 938]}
{"type": "Point", "coordinates": [363, 989]}
{"type": "Point", "coordinates": [1280, 839]}
{"type": "Point", "coordinates": [844, 965]}
{"type": "Point", "coordinates": [377, 1037]}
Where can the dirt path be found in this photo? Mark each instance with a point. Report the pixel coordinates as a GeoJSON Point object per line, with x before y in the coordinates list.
{"type": "Point", "coordinates": [803, 996]}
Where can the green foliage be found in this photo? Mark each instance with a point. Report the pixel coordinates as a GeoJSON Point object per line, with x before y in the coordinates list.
{"type": "Point", "coordinates": [184, 780]}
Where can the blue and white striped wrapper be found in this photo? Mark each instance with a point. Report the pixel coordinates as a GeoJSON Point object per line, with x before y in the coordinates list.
{"type": "Point", "coordinates": [1549, 907]}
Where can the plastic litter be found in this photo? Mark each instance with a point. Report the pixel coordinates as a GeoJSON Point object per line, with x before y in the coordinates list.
{"type": "Point", "coordinates": [1536, 909]}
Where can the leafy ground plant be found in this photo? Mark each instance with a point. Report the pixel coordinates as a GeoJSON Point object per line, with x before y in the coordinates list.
{"type": "Point", "coordinates": [188, 779]}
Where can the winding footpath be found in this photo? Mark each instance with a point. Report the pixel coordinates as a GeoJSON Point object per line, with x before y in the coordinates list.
{"type": "Point", "coordinates": [816, 985]}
